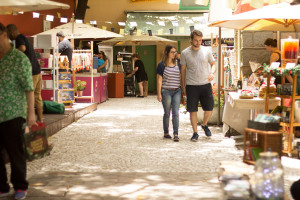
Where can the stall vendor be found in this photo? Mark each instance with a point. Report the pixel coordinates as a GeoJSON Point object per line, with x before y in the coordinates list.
{"type": "Point", "coordinates": [271, 46]}
{"type": "Point", "coordinates": [102, 62]}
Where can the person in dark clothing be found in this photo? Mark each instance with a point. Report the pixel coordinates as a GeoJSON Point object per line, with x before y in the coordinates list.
{"type": "Point", "coordinates": [140, 75]}
{"type": "Point", "coordinates": [271, 45]}
{"type": "Point", "coordinates": [24, 45]}
{"type": "Point", "coordinates": [65, 47]}
{"type": "Point", "coordinates": [16, 107]}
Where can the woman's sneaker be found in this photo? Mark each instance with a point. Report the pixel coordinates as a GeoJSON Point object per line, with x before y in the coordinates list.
{"type": "Point", "coordinates": [176, 138]}
{"type": "Point", "coordinates": [195, 137]}
{"type": "Point", "coordinates": [20, 194]}
{"type": "Point", "coordinates": [206, 130]}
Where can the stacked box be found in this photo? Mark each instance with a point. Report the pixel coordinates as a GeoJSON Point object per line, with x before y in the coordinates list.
{"type": "Point", "coordinates": [64, 85]}
{"type": "Point", "coordinates": [64, 76]}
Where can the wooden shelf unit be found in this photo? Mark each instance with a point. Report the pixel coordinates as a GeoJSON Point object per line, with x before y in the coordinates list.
{"type": "Point", "coordinates": [291, 123]}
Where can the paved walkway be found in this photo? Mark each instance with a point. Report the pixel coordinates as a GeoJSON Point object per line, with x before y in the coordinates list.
{"type": "Point", "coordinates": [118, 153]}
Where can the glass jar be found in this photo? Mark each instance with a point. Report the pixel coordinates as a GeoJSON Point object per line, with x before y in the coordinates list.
{"type": "Point", "coordinates": [268, 177]}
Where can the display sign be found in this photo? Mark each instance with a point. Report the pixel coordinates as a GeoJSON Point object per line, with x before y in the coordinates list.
{"type": "Point", "coordinates": [275, 65]}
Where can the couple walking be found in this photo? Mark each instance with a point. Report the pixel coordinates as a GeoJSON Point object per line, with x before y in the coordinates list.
{"type": "Point", "coordinates": [192, 78]}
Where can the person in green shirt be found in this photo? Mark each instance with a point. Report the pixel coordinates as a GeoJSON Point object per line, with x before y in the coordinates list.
{"type": "Point", "coordinates": [16, 107]}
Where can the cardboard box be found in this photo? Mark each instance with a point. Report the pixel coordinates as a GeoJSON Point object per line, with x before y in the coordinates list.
{"type": "Point", "coordinates": [270, 126]}
{"type": "Point", "coordinates": [45, 62]}
{"type": "Point", "coordinates": [67, 95]}
{"type": "Point", "coordinates": [63, 76]}
{"type": "Point", "coordinates": [117, 68]}
{"type": "Point", "coordinates": [64, 85]}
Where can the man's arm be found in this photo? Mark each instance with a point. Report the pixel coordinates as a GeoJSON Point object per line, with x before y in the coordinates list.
{"type": "Point", "coordinates": [183, 78]}
{"type": "Point", "coordinates": [30, 108]}
{"type": "Point", "coordinates": [213, 71]}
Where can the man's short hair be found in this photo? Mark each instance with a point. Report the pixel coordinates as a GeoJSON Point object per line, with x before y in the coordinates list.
{"type": "Point", "coordinates": [11, 27]}
{"type": "Point", "coordinates": [197, 33]}
{"type": "Point", "coordinates": [60, 34]}
{"type": "Point", "coordinates": [2, 28]}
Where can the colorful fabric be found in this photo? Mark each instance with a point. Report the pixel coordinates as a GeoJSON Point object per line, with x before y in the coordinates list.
{"type": "Point", "coordinates": [15, 80]}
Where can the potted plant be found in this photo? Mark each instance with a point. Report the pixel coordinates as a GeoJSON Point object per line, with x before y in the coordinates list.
{"type": "Point", "coordinates": [79, 86]}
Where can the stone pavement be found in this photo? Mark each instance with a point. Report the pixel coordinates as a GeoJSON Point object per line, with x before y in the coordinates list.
{"type": "Point", "coordinates": [117, 153]}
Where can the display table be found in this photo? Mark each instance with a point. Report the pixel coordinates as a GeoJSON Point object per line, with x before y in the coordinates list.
{"type": "Point", "coordinates": [99, 86]}
{"type": "Point", "coordinates": [238, 111]}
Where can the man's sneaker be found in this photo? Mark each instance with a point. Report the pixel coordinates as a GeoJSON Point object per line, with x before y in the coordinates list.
{"type": "Point", "coordinates": [176, 138]}
{"type": "Point", "coordinates": [20, 194]}
{"type": "Point", "coordinates": [206, 130]}
{"type": "Point", "coordinates": [167, 136]}
{"type": "Point", "coordinates": [195, 137]}
{"type": "Point", "coordinates": [4, 194]}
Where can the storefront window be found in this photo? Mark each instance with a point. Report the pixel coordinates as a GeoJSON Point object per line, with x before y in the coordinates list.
{"type": "Point", "coordinates": [161, 23]}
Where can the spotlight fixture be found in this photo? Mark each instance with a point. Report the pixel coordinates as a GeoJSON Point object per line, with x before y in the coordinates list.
{"type": "Point", "coordinates": [94, 22]}
{"type": "Point", "coordinates": [64, 20]}
{"type": "Point", "coordinates": [121, 23]}
{"type": "Point", "coordinates": [35, 15]}
{"type": "Point", "coordinates": [50, 18]}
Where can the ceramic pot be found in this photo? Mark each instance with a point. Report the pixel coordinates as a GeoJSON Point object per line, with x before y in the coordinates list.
{"type": "Point", "coordinates": [79, 93]}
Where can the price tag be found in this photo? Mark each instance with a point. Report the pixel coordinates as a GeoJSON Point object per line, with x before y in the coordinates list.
{"type": "Point", "coordinates": [275, 65]}
{"type": "Point", "coordinates": [290, 65]}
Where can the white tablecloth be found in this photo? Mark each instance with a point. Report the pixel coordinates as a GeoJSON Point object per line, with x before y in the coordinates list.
{"type": "Point", "coordinates": [237, 111]}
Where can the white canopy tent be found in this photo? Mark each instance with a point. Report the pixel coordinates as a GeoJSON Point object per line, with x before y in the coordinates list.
{"type": "Point", "coordinates": [80, 31]}
{"type": "Point", "coordinates": [8, 7]}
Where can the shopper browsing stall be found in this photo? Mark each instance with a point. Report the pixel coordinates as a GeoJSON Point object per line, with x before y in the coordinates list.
{"type": "Point", "coordinates": [16, 107]}
{"type": "Point", "coordinates": [140, 75]}
{"type": "Point", "coordinates": [168, 90]}
{"type": "Point", "coordinates": [24, 45]}
{"type": "Point", "coordinates": [65, 47]}
{"type": "Point", "coordinates": [197, 71]}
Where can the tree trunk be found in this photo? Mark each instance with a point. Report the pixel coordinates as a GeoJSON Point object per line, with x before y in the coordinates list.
{"type": "Point", "coordinates": [81, 9]}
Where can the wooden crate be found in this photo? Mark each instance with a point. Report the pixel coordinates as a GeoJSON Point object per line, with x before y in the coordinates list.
{"type": "Point", "coordinates": [266, 140]}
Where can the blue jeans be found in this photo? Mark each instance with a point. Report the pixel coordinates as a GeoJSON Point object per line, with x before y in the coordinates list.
{"type": "Point", "coordinates": [171, 99]}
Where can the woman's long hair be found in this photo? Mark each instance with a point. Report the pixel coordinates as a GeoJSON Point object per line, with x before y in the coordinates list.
{"type": "Point", "coordinates": [104, 56]}
{"type": "Point", "coordinates": [165, 58]}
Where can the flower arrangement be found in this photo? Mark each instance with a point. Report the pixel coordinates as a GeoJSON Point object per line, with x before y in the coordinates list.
{"type": "Point", "coordinates": [79, 85]}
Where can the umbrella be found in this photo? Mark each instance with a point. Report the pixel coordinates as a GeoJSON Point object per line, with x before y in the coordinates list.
{"type": "Point", "coordinates": [276, 17]}
{"type": "Point", "coordinates": [80, 31]}
{"type": "Point", "coordinates": [128, 40]}
{"type": "Point", "coordinates": [14, 6]}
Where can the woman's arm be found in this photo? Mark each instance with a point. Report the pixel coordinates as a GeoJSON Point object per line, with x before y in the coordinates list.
{"type": "Point", "coordinates": [103, 65]}
{"type": "Point", "coordinates": [274, 57]}
{"type": "Point", "coordinates": [159, 84]}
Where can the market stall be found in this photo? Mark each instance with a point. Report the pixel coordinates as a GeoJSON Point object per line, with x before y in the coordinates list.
{"type": "Point", "coordinates": [84, 31]}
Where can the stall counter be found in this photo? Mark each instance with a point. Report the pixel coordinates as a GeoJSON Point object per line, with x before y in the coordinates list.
{"type": "Point", "coordinates": [238, 111]}
{"type": "Point", "coordinates": [99, 86]}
